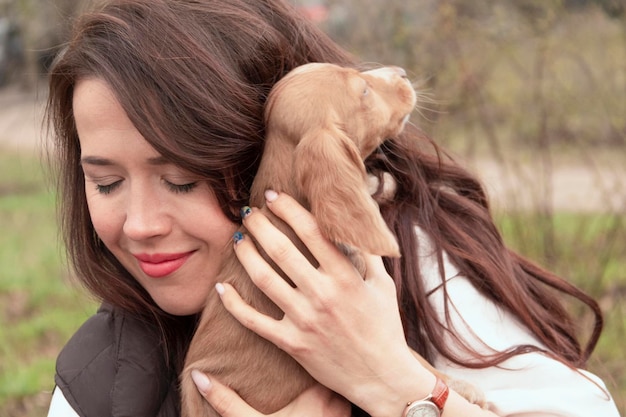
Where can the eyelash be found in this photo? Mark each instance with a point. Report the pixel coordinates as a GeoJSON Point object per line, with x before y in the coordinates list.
{"type": "Point", "coordinates": [175, 188]}
{"type": "Point", "coordinates": [181, 188]}
{"type": "Point", "coordinates": [107, 189]}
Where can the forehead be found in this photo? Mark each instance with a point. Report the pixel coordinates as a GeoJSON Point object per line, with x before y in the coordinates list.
{"type": "Point", "coordinates": [102, 125]}
{"type": "Point", "coordinates": [93, 101]}
{"type": "Point", "coordinates": [313, 67]}
{"type": "Point", "coordinates": [317, 76]}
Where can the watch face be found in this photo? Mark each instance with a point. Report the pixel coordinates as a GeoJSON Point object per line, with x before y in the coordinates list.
{"type": "Point", "coordinates": [423, 409]}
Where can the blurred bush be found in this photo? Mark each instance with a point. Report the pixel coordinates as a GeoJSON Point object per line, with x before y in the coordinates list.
{"type": "Point", "coordinates": [35, 31]}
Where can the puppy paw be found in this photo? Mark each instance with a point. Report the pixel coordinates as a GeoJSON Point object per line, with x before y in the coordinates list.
{"type": "Point", "coordinates": [468, 391]}
{"type": "Point", "coordinates": [382, 190]}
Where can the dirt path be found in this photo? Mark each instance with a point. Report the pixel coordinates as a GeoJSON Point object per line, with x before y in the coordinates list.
{"type": "Point", "coordinates": [584, 187]}
{"type": "Point", "coordinates": [572, 187]}
{"type": "Point", "coordinates": [20, 119]}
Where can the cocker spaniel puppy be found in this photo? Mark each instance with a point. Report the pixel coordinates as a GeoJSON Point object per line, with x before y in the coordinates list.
{"type": "Point", "coordinates": [322, 121]}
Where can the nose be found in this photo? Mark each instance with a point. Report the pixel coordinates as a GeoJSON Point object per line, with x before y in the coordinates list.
{"type": "Point", "coordinates": [400, 71]}
{"type": "Point", "coordinates": [388, 72]}
{"type": "Point", "coordinates": [145, 217]}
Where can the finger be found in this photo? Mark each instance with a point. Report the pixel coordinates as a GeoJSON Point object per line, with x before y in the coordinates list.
{"type": "Point", "coordinates": [377, 277]}
{"type": "Point", "coordinates": [263, 274]}
{"type": "Point", "coordinates": [265, 326]}
{"type": "Point", "coordinates": [223, 399]}
{"type": "Point", "coordinates": [305, 226]}
{"type": "Point", "coordinates": [374, 267]}
{"type": "Point", "coordinates": [287, 256]}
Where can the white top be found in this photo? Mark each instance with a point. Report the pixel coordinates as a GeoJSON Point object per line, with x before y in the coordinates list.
{"type": "Point", "coordinates": [528, 385]}
{"type": "Point", "coordinates": [59, 407]}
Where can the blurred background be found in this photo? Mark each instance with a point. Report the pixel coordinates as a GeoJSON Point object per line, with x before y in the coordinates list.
{"type": "Point", "coordinates": [529, 94]}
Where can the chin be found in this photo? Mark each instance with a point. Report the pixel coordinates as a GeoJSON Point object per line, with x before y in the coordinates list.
{"type": "Point", "coordinates": [180, 306]}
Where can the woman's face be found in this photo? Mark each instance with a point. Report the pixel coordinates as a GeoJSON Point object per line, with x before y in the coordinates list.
{"type": "Point", "coordinates": [161, 222]}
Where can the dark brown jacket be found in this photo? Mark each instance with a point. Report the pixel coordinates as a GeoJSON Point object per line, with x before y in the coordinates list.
{"type": "Point", "coordinates": [114, 366]}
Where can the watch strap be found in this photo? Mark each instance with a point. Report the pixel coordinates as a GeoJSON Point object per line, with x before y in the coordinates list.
{"type": "Point", "coordinates": [438, 397]}
{"type": "Point", "coordinates": [440, 394]}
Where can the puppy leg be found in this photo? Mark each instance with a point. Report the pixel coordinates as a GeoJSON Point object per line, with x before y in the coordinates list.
{"type": "Point", "coordinates": [461, 387]}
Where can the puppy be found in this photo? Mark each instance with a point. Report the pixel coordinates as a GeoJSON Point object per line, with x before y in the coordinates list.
{"type": "Point", "coordinates": [322, 121]}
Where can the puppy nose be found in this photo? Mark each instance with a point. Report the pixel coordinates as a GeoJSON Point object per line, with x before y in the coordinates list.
{"type": "Point", "coordinates": [388, 73]}
{"type": "Point", "coordinates": [400, 71]}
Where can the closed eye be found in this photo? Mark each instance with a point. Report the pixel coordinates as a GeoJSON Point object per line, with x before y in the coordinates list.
{"type": "Point", "coordinates": [181, 188]}
{"type": "Point", "coordinates": [175, 188]}
{"type": "Point", "coordinates": [366, 88]}
{"type": "Point", "coordinates": [108, 188]}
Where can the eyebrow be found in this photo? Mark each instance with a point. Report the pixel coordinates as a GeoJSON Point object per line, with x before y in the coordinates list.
{"type": "Point", "coordinates": [99, 161]}
{"type": "Point", "coordinates": [95, 160]}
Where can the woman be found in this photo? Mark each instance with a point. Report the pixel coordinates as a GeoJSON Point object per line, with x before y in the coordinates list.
{"type": "Point", "coordinates": [157, 108]}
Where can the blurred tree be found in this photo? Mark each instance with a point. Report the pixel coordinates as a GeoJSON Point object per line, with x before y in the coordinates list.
{"type": "Point", "coordinates": [540, 14]}
{"type": "Point", "coordinates": [42, 26]}
{"type": "Point", "coordinates": [614, 8]}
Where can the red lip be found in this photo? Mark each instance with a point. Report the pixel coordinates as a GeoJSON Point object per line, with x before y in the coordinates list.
{"type": "Point", "coordinates": [159, 265]}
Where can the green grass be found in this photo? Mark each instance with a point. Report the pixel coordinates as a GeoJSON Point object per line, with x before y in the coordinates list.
{"type": "Point", "coordinates": [38, 309]}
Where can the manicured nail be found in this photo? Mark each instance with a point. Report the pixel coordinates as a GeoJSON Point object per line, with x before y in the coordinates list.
{"type": "Point", "coordinates": [219, 287]}
{"type": "Point", "coordinates": [201, 380]}
{"type": "Point", "coordinates": [237, 237]}
{"type": "Point", "coordinates": [245, 212]}
{"type": "Point", "coordinates": [271, 195]}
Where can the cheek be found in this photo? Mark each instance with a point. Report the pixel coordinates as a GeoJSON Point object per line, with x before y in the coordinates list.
{"type": "Point", "coordinates": [209, 224]}
{"type": "Point", "coordinates": [200, 214]}
{"type": "Point", "coordinates": [106, 219]}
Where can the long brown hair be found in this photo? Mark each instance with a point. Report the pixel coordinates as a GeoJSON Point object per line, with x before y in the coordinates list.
{"type": "Point", "coordinates": [193, 77]}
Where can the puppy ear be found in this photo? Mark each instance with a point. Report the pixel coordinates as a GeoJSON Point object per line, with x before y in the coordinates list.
{"type": "Point", "coordinates": [330, 174]}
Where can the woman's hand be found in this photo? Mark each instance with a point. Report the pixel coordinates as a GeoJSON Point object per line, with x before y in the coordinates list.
{"type": "Point", "coordinates": [344, 329]}
{"type": "Point", "coordinates": [316, 401]}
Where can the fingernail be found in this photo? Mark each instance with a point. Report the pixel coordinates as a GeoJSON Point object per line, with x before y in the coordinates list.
{"type": "Point", "coordinates": [201, 380]}
{"type": "Point", "coordinates": [219, 287]}
{"type": "Point", "coordinates": [237, 237]}
{"type": "Point", "coordinates": [245, 212]}
{"type": "Point", "coordinates": [271, 195]}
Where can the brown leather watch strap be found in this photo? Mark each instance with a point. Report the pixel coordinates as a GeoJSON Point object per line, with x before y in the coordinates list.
{"type": "Point", "coordinates": [440, 394]}
{"type": "Point", "coordinates": [437, 398]}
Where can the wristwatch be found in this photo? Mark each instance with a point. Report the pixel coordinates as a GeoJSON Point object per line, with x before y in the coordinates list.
{"type": "Point", "coordinates": [431, 406]}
